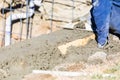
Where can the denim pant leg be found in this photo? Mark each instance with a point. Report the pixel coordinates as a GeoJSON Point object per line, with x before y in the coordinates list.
{"type": "Point", "coordinates": [115, 16]}
{"type": "Point", "coordinates": [101, 14]}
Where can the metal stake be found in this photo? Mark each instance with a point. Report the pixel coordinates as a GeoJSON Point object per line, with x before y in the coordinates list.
{"type": "Point", "coordinates": [31, 26]}
{"type": "Point", "coordinates": [10, 19]}
{"type": "Point", "coordinates": [3, 15]}
{"type": "Point", "coordinates": [27, 22]}
{"type": "Point", "coordinates": [21, 26]}
{"type": "Point", "coordinates": [73, 5]}
{"type": "Point", "coordinates": [52, 15]}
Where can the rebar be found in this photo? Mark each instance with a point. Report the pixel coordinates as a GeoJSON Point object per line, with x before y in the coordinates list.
{"type": "Point", "coordinates": [7, 29]}
{"type": "Point", "coordinates": [73, 7]}
{"type": "Point", "coordinates": [10, 18]}
{"type": "Point", "coordinates": [21, 26]}
{"type": "Point", "coordinates": [31, 27]}
{"type": "Point", "coordinates": [27, 20]}
{"type": "Point", "coordinates": [3, 15]}
{"type": "Point", "coordinates": [51, 20]}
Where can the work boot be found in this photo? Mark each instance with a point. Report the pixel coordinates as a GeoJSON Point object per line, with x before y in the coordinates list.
{"type": "Point", "coordinates": [102, 45]}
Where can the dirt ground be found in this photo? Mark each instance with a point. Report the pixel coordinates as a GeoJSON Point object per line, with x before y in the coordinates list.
{"type": "Point", "coordinates": [42, 53]}
{"type": "Point", "coordinates": [63, 50]}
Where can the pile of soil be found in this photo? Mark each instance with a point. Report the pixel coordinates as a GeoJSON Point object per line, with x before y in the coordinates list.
{"type": "Point", "coordinates": [42, 53]}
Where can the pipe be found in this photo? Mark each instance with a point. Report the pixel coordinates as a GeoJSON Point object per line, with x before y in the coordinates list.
{"type": "Point", "coordinates": [31, 10]}
{"type": "Point", "coordinates": [71, 74]}
{"type": "Point", "coordinates": [7, 29]}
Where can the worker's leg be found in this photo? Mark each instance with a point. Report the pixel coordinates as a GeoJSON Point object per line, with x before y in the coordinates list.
{"type": "Point", "coordinates": [101, 15]}
{"type": "Point", "coordinates": [115, 16]}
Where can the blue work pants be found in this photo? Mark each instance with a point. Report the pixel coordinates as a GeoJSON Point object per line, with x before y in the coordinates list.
{"type": "Point", "coordinates": [101, 12]}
